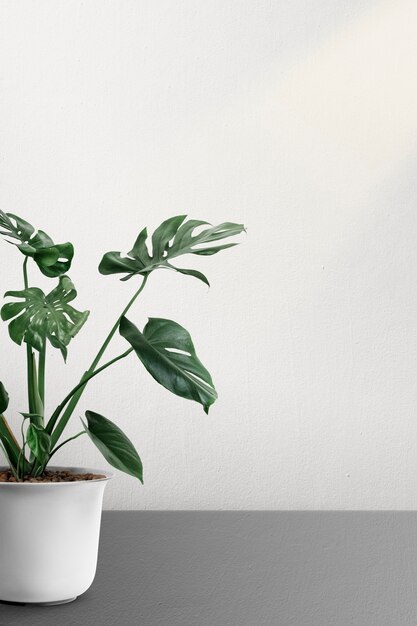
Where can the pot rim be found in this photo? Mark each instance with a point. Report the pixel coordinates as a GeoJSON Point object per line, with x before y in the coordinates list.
{"type": "Point", "coordinates": [77, 470]}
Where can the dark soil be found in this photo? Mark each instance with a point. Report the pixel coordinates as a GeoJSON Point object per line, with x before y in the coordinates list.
{"type": "Point", "coordinates": [58, 476]}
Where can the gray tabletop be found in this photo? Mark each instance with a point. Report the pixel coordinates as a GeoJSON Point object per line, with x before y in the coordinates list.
{"type": "Point", "coordinates": [246, 569]}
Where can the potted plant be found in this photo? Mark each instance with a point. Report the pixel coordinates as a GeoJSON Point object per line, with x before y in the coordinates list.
{"type": "Point", "coordinates": [53, 559]}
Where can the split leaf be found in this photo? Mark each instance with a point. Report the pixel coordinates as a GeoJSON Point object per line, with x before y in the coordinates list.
{"type": "Point", "coordinates": [39, 317]}
{"type": "Point", "coordinates": [173, 238]}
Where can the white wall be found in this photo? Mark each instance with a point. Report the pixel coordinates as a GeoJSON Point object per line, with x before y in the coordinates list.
{"type": "Point", "coordinates": [295, 117]}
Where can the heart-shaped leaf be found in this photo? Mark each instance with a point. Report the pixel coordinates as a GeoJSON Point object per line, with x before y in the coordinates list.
{"type": "Point", "coordinates": [113, 444]}
{"type": "Point", "coordinates": [52, 259]}
{"type": "Point", "coordinates": [39, 442]}
{"type": "Point", "coordinates": [167, 351]}
{"type": "Point", "coordinates": [4, 398]}
{"type": "Point", "coordinates": [171, 239]}
{"type": "Point", "coordinates": [39, 317]}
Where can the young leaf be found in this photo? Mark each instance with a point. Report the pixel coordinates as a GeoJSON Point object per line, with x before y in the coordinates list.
{"type": "Point", "coordinates": [4, 398]}
{"type": "Point", "coordinates": [39, 317]}
{"type": "Point", "coordinates": [113, 444]}
{"type": "Point", "coordinates": [39, 442]}
{"type": "Point", "coordinates": [171, 239]}
{"type": "Point", "coordinates": [52, 259]}
{"type": "Point", "coordinates": [167, 351]}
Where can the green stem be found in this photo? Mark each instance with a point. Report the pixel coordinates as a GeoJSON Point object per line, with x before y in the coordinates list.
{"type": "Point", "coordinates": [12, 469]}
{"type": "Point", "coordinates": [83, 432]}
{"type": "Point", "coordinates": [41, 374]}
{"type": "Point", "coordinates": [74, 397]}
{"type": "Point", "coordinates": [56, 433]}
{"type": "Point", "coordinates": [22, 454]}
{"type": "Point", "coordinates": [10, 444]}
{"type": "Point", "coordinates": [29, 358]}
{"type": "Point", "coordinates": [116, 326]}
{"type": "Point", "coordinates": [25, 272]}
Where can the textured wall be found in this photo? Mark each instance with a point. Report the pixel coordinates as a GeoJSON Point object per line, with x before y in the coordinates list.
{"type": "Point", "coordinates": [297, 118]}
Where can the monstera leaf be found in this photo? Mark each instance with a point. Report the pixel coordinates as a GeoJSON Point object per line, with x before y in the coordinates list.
{"type": "Point", "coordinates": [52, 259]}
{"type": "Point", "coordinates": [171, 239]}
{"type": "Point", "coordinates": [167, 351]}
{"type": "Point", "coordinates": [39, 317]}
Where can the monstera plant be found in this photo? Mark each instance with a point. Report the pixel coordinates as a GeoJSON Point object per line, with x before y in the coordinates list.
{"type": "Point", "coordinates": [42, 320]}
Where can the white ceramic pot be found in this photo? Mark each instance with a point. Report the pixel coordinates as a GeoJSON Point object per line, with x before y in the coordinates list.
{"type": "Point", "coordinates": [49, 535]}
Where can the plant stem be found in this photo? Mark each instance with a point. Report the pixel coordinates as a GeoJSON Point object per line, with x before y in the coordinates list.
{"type": "Point", "coordinates": [83, 432]}
{"type": "Point", "coordinates": [12, 469]}
{"type": "Point", "coordinates": [25, 272]}
{"type": "Point", "coordinates": [41, 374]}
{"type": "Point", "coordinates": [73, 398]}
{"type": "Point", "coordinates": [56, 433]}
{"type": "Point", "coordinates": [29, 359]}
{"type": "Point", "coordinates": [9, 443]}
{"type": "Point", "coordinates": [116, 326]}
{"type": "Point", "coordinates": [22, 453]}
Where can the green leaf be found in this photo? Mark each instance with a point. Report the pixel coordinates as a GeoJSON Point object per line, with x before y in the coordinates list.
{"type": "Point", "coordinates": [167, 351]}
{"type": "Point", "coordinates": [52, 259]}
{"type": "Point", "coordinates": [113, 444]}
{"type": "Point", "coordinates": [4, 398]}
{"type": "Point", "coordinates": [41, 317]}
{"type": "Point", "coordinates": [55, 260]}
{"type": "Point", "coordinates": [39, 442]}
{"type": "Point", "coordinates": [171, 239]}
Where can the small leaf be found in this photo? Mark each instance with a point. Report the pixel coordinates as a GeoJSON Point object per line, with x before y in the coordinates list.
{"type": "Point", "coordinates": [113, 444]}
{"type": "Point", "coordinates": [167, 351]}
{"type": "Point", "coordinates": [39, 442]}
{"type": "Point", "coordinates": [40, 317]}
{"type": "Point", "coordinates": [4, 398]}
